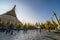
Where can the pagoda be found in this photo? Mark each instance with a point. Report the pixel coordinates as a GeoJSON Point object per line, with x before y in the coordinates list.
{"type": "Point", "coordinates": [10, 16]}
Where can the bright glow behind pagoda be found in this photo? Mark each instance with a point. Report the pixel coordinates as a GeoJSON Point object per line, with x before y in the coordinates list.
{"type": "Point", "coordinates": [30, 10]}
{"type": "Point", "coordinates": [24, 12]}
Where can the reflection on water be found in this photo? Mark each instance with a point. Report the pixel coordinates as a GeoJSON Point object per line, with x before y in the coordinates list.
{"type": "Point", "coordinates": [25, 35]}
{"type": "Point", "coordinates": [21, 35]}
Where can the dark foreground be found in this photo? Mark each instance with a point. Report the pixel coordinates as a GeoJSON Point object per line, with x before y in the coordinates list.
{"type": "Point", "coordinates": [30, 35]}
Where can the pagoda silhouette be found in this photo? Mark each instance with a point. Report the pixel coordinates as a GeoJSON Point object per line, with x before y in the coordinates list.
{"type": "Point", "coordinates": [10, 16]}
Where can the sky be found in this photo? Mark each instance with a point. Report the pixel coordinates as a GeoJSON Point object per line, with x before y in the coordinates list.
{"type": "Point", "coordinates": [32, 11]}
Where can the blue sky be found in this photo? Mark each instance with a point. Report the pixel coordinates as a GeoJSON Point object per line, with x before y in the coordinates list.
{"type": "Point", "coordinates": [32, 10]}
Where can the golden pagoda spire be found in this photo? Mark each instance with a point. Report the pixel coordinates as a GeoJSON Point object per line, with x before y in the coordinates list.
{"type": "Point", "coordinates": [11, 12]}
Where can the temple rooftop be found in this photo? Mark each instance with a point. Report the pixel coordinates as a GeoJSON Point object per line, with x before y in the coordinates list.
{"type": "Point", "coordinates": [10, 16]}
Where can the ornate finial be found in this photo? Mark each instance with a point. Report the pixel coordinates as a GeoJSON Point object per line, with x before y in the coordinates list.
{"type": "Point", "coordinates": [54, 13]}
{"type": "Point", "coordinates": [11, 12]}
{"type": "Point", "coordinates": [14, 7]}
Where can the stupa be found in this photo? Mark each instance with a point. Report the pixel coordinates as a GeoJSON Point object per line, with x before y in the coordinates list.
{"type": "Point", "coordinates": [10, 16]}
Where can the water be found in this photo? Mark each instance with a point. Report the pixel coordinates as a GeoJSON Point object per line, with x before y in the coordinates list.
{"type": "Point", "coordinates": [27, 35]}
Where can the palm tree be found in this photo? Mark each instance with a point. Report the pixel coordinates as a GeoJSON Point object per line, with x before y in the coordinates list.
{"type": "Point", "coordinates": [20, 26]}
{"type": "Point", "coordinates": [25, 26]}
{"type": "Point", "coordinates": [47, 24]}
{"type": "Point", "coordinates": [55, 25]}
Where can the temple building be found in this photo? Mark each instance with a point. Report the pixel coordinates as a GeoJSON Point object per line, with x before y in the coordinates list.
{"type": "Point", "coordinates": [10, 16]}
